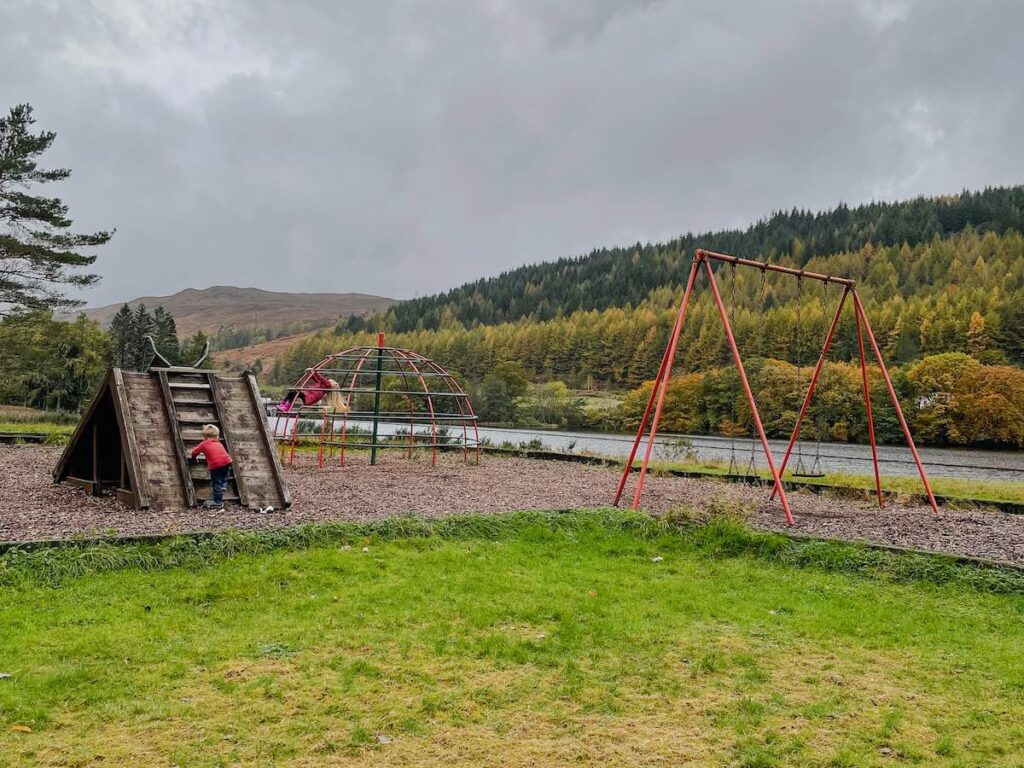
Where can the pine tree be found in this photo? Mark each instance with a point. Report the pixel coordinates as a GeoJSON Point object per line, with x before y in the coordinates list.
{"type": "Point", "coordinates": [121, 338]}
{"type": "Point", "coordinates": [39, 256]}
{"type": "Point", "coordinates": [165, 333]}
{"type": "Point", "coordinates": [193, 348]}
{"type": "Point", "coordinates": [142, 326]}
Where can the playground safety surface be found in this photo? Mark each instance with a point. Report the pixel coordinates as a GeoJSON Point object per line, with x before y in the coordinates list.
{"type": "Point", "coordinates": [33, 508]}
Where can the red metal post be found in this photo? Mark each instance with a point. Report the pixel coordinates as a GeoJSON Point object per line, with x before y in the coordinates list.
{"type": "Point", "coordinates": [323, 434]}
{"type": "Point", "coordinates": [330, 450]}
{"type": "Point", "coordinates": [810, 389]}
{"type": "Point", "coordinates": [643, 419]}
{"type": "Point", "coordinates": [667, 374]}
{"type": "Point", "coordinates": [463, 404]}
{"type": "Point", "coordinates": [348, 401]}
{"type": "Point", "coordinates": [295, 431]}
{"type": "Point", "coordinates": [867, 404]}
{"type": "Point", "coordinates": [430, 406]}
{"type": "Point", "coordinates": [746, 388]}
{"type": "Point", "coordinates": [398, 355]}
{"type": "Point", "coordinates": [895, 400]}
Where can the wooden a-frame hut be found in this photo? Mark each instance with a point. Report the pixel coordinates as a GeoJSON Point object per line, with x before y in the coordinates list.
{"type": "Point", "coordinates": [134, 437]}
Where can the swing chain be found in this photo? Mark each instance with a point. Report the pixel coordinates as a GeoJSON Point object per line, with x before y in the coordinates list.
{"type": "Point", "coordinates": [752, 464]}
{"type": "Point", "coordinates": [816, 467]}
{"type": "Point", "coordinates": [733, 463]}
{"type": "Point", "coordinates": [799, 467]}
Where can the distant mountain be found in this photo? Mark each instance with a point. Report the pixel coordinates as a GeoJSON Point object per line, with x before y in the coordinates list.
{"type": "Point", "coordinates": [211, 309]}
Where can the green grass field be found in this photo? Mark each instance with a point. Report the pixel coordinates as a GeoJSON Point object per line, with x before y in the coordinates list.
{"type": "Point", "coordinates": [600, 638]}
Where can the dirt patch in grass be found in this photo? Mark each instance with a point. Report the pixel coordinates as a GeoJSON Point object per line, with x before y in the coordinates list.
{"type": "Point", "coordinates": [33, 508]}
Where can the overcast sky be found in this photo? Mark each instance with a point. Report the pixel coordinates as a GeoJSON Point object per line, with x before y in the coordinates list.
{"type": "Point", "coordinates": [401, 148]}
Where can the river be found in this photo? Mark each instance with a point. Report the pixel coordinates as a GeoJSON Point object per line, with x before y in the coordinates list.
{"type": "Point", "coordinates": [966, 463]}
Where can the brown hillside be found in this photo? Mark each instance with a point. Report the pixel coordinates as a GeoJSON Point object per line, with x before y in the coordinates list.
{"type": "Point", "coordinates": [266, 352]}
{"type": "Point", "coordinates": [210, 308]}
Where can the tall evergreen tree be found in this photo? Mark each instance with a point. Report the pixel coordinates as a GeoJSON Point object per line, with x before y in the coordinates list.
{"type": "Point", "coordinates": [192, 348]}
{"type": "Point", "coordinates": [165, 333]}
{"type": "Point", "coordinates": [39, 256]}
{"type": "Point", "coordinates": [121, 338]}
{"type": "Point", "coordinates": [142, 326]}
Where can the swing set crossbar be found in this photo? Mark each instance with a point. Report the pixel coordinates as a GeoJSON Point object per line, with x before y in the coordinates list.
{"type": "Point", "coordinates": [655, 403]}
{"type": "Point", "coordinates": [767, 267]}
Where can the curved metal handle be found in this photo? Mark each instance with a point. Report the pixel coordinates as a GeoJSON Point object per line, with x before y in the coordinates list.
{"type": "Point", "coordinates": [202, 357]}
{"type": "Point", "coordinates": [156, 354]}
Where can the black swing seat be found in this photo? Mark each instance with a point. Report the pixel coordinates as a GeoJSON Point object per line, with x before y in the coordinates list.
{"type": "Point", "coordinates": [807, 474]}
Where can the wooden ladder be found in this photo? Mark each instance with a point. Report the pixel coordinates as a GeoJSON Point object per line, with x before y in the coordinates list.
{"type": "Point", "coordinates": [191, 399]}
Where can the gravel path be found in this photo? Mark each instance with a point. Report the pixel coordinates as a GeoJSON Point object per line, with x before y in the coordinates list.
{"type": "Point", "coordinates": [33, 508]}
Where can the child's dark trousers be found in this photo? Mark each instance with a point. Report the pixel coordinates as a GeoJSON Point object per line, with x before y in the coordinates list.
{"type": "Point", "coordinates": [218, 482]}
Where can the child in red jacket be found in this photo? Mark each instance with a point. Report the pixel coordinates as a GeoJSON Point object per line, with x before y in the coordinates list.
{"type": "Point", "coordinates": [217, 461]}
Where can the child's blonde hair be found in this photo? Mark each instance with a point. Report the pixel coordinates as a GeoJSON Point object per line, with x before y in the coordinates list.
{"type": "Point", "coordinates": [210, 431]}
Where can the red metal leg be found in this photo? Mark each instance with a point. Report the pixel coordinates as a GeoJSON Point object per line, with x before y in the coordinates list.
{"type": "Point", "coordinates": [667, 373]}
{"type": "Point", "coordinates": [353, 378]}
{"type": "Point", "coordinates": [464, 405]}
{"type": "Point", "coordinates": [895, 400]}
{"type": "Point", "coordinates": [323, 434]}
{"type": "Point", "coordinates": [643, 419]}
{"type": "Point", "coordinates": [430, 407]}
{"type": "Point", "coordinates": [810, 389]}
{"type": "Point", "coordinates": [330, 451]}
{"type": "Point", "coordinates": [750, 395]}
{"type": "Point", "coordinates": [295, 432]}
{"type": "Point", "coordinates": [867, 404]}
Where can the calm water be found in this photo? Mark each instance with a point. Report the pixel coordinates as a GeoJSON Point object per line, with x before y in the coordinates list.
{"type": "Point", "coordinates": [835, 457]}
{"type": "Point", "coordinates": [964, 463]}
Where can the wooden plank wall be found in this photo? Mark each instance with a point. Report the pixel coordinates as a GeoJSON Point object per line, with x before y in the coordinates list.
{"type": "Point", "coordinates": [158, 460]}
{"type": "Point", "coordinates": [253, 458]}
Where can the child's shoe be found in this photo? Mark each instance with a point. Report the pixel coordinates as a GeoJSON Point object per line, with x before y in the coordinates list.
{"type": "Point", "coordinates": [211, 504]}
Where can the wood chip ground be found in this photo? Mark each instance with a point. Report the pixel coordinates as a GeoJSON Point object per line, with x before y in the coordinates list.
{"type": "Point", "coordinates": [33, 508]}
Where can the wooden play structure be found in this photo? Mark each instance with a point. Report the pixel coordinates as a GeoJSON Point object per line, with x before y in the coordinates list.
{"type": "Point", "coordinates": [134, 437]}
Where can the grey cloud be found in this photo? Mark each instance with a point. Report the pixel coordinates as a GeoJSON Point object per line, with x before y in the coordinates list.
{"type": "Point", "coordinates": [404, 147]}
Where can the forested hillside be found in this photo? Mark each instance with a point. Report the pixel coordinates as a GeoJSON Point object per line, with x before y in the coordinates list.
{"type": "Point", "coordinates": [617, 277]}
{"type": "Point", "coordinates": [942, 282]}
{"type": "Point", "coordinates": [960, 294]}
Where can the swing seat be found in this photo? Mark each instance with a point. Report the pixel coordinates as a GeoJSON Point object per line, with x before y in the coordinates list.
{"type": "Point", "coordinates": [807, 474]}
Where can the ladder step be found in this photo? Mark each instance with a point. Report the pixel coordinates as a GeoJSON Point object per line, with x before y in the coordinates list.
{"type": "Point", "coordinates": [207, 403]}
{"type": "Point", "coordinates": [186, 385]}
{"type": "Point", "coordinates": [190, 420]}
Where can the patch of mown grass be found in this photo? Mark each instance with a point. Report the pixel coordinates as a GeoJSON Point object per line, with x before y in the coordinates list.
{"type": "Point", "coordinates": [594, 637]}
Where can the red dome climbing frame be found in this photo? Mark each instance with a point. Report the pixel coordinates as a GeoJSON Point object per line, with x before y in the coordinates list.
{"type": "Point", "coordinates": [377, 398]}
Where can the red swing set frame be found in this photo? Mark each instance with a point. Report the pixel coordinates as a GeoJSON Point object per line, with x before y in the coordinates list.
{"type": "Point", "coordinates": [656, 401]}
